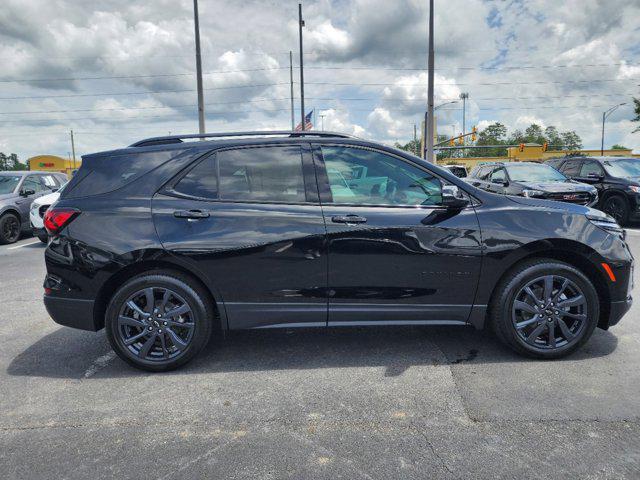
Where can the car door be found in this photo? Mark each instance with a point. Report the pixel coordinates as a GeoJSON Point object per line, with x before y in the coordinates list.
{"type": "Point", "coordinates": [249, 219]}
{"type": "Point", "coordinates": [396, 255]}
{"type": "Point", "coordinates": [480, 177]}
{"type": "Point", "coordinates": [591, 172]}
{"type": "Point", "coordinates": [31, 188]}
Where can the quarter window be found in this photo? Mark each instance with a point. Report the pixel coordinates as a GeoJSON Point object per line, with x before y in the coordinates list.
{"type": "Point", "coordinates": [366, 177]}
{"type": "Point", "coordinates": [590, 167]}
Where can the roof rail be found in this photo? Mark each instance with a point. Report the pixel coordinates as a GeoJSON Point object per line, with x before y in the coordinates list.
{"type": "Point", "coordinates": [273, 133]}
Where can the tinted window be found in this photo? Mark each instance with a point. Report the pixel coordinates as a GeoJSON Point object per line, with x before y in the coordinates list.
{"type": "Point", "coordinates": [483, 172]}
{"type": "Point", "coordinates": [366, 177]}
{"type": "Point", "coordinates": [269, 174]}
{"type": "Point", "coordinates": [8, 183]}
{"type": "Point", "coordinates": [571, 168]}
{"type": "Point", "coordinates": [49, 182]}
{"type": "Point", "coordinates": [590, 167]}
{"type": "Point", "coordinates": [32, 182]}
{"type": "Point", "coordinates": [534, 172]}
{"type": "Point", "coordinates": [625, 168]}
{"type": "Point", "coordinates": [555, 162]}
{"type": "Point", "coordinates": [499, 176]}
{"type": "Point", "coordinates": [201, 181]}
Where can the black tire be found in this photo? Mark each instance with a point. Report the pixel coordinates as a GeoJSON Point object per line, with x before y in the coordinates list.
{"type": "Point", "coordinates": [505, 313]}
{"type": "Point", "coordinates": [618, 207]}
{"type": "Point", "coordinates": [43, 238]}
{"type": "Point", "coordinates": [9, 228]}
{"type": "Point", "coordinates": [194, 332]}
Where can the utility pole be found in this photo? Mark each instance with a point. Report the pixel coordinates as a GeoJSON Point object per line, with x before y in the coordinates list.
{"type": "Point", "coordinates": [322, 120]}
{"type": "Point", "coordinates": [293, 120]}
{"type": "Point", "coordinates": [73, 150]}
{"type": "Point", "coordinates": [198, 68]}
{"type": "Point", "coordinates": [300, 25]}
{"type": "Point", "coordinates": [604, 118]}
{"type": "Point", "coordinates": [429, 119]}
{"type": "Point", "coordinates": [463, 97]}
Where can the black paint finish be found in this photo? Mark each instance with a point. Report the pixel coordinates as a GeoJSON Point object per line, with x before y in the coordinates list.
{"type": "Point", "coordinates": [269, 264]}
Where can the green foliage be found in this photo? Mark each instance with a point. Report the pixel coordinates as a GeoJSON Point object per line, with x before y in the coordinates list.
{"type": "Point", "coordinates": [11, 162]}
{"type": "Point", "coordinates": [412, 147]}
{"type": "Point", "coordinates": [636, 110]}
{"type": "Point", "coordinates": [619, 147]}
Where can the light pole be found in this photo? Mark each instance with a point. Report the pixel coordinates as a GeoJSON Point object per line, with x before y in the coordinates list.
{"type": "Point", "coordinates": [300, 25]}
{"type": "Point", "coordinates": [198, 68]}
{"type": "Point", "coordinates": [605, 115]}
{"type": "Point", "coordinates": [463, 97]}
{"type": "Point", "coordinates": [426, 130]}
{"type": "Point", "coordinates": [429, 119]}
{"type": "Point", "coordinates": [322, 120]}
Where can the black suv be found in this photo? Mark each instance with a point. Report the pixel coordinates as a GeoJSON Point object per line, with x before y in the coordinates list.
{"type": "Point", "coordinates": [530, 179]}
{"type": "Point", "coordinates": [170, 239]}
{"type": "Point", "coordinates": [616, 178]}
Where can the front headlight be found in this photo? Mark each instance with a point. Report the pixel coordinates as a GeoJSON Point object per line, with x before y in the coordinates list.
{"type": "Point", "coordinates": [533, 193]}
{"type": "Point", "coordinates": [606, 223]}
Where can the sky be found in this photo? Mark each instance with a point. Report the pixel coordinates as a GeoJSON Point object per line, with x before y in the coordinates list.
{"type": "Point", "coordinates": [117, 71]}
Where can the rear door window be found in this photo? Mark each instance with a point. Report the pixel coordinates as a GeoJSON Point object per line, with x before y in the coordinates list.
{"type": "Point", "coordinates": [262, 174]}
{"type": "Point", "coordinates": [499, 176]}
{"type": "Point", "coordinates": [32, 182]}
{"type": "Point", "coordinates": [590, 168]}
{"type": "Point", "coordinates": [571, 168]}
{"type": "Point", "coordinates": [201, 181]}
{"type": "Point", "coordinates": [49, 182]}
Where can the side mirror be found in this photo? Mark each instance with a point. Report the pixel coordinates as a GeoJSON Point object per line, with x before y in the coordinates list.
{"type": "Point", "coordinates": [453, 197]}
{"type": "Point", "coordinates": [27, 192]}
{"type": "Point", "coordinates": [595, 176]}
{"type": "Point", "coordinates": [504, 183]}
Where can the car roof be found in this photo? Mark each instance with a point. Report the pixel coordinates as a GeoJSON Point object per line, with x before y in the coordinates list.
{"type": "Point", "coordinates": [23, 173]}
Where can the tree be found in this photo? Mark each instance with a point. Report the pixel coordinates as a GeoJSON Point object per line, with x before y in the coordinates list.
{"type": "Point", "coordinates": [553, 136]}
{"type": "Point", "coordinates": [11, 162]}
{"type": "Point", "coordinates": [494, 134]}
{"type": "Point", "coordinates": [636, 110]}
{"type": "Point", "coordinates": [413, 147]}
{"type": "Point", "coordinates": [619, 147]}
{"type": "Point", "coordinates": [534, 134]}
{"type": "Point", "coordinates": [571, 140]}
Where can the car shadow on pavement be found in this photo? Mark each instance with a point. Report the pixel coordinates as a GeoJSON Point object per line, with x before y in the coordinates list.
{"type": "Point", "coordinates": [68, 353]}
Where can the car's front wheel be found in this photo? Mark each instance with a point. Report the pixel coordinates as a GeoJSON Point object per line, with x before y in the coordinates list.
{"type": "Point", "coordinates": [617, 206]}
{"type": "Point", "coordinates": [159, 321]}
{"type": "Point", "coordinates": [545, 309]}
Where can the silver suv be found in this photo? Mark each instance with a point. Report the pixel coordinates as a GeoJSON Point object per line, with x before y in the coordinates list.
{"type": "Point", "coordinates": [17, 191]}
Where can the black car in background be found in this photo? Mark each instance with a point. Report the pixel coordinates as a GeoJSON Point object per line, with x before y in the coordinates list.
{"type": "Point", "coordinates": [533, 180]}
{"type": "Point", "coordinates": [616, 178]}
{"type": "Point", "coordinates": [169, 240]}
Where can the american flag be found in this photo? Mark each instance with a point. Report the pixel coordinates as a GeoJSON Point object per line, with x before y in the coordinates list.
{"type": "Point", "coordinates": [308, 125]}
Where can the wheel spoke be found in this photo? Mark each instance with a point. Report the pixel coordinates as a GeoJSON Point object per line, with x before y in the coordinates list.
{"type": "Point", "coordinates": [535, 334]}
{"type": "Point", "coordinates": [525, 307]}
{"type": "Point", "coordinates": [526, 323]}
{"type": "Point", "coordinates": [144, 350]}
{"type": "Point", "coordinates": [177, 341]}
{"type": "Point", "coordinates": [148, 294]}
{"type": "Point", "coordinates": [564, 286]}
{"type": "Point", "coordinates": [182, 309]}
{"type": "Point", "coordinates": [133, 306]}
{"type": "Point", "coordinates": [551, 326]}
{"type": "Point", "coordinates": [572, 302]}
{"type": "Point", "coordinates": [132, 322]}
{"type": "Point", "coordinates": [565, 330]}
{"type": "Point", "coordinates": [165, 299]}
{"type": "Point", "coordinates": [576, 316]}
{"type": "Point", "coordinates": [548, 288]}
{"type": "Point", "coordinates": [182, 325]}
{"type": "Point", "coordinates": [531, 293]}
{"type": "Point", "coordinates": [135, 338]}
{"type": "Point", "coordinates": [163, 343]}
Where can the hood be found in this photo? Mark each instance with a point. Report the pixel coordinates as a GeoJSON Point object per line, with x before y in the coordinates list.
{"type": "Point", "coordinates": [570, 207]}
{"type": "Point", "coordinates": [49, 199]}
{"type": "Point", "coordinates": [558, 187]}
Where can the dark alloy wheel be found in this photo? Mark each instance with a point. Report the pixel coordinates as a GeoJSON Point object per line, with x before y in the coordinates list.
{"type": "Point", "coordinates": [544, 308]}
{"type": "Point", "coordinates": [159, 322]}
{"type": "Point", "coordinates": [617, 207]}
{"type": "Point", "coordinates": [9, 228]}
{"type": "Point", "coordinates": [549, 312]}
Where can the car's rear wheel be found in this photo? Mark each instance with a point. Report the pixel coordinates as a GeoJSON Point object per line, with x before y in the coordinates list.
{"type": "Point", "coordinates": [9, 228]}
{"type": "Point", "coordinates": [545, 309]}
{"type": "Point", "coordinates": [43, 238]}
{"type": "Point", "coordinates": [617, 207]}
{"type": "Point", "coordinates": [159, 321]}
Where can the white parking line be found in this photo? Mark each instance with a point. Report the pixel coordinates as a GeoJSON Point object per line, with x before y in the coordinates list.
{"type": "Point", "coordinates": [23, 245]}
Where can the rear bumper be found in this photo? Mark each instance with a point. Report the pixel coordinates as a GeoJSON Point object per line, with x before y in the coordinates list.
{"type": "Point", "coordinates": [38, 232]}
{"type": "Point", "coordinates": [71, 312]}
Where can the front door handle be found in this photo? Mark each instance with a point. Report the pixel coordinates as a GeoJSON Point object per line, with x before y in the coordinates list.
{"type": "Point", "coordinates": [191, 214]}
{"type": "Point", "coordinates": [348, 219]}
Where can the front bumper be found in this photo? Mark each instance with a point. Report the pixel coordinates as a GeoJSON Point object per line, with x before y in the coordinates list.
{"type": "Point", "coordinates": [71, 312]}
{"type": "Point", "coordinates": [618, 310]}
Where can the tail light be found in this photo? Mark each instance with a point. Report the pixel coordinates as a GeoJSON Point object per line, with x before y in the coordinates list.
{"type": "Point", "coordinates": [57, 218]}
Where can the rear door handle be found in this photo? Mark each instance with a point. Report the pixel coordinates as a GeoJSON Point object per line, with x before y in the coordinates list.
{"type": "Point", "coordinates": [191, 214]}
{"type": "Point", "coordinates": [348, 219]}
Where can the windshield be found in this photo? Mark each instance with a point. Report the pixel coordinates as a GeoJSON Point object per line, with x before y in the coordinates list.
{"type": "Point", "coordinates": [534, 173]}
{"type": "Point", "coordinates": [626, 168]}
{"type": "Point", "coordinates": [8, 183]}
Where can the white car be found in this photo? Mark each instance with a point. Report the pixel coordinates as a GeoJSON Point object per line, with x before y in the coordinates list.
{"type": "Point", "coordinates": [36, 214]}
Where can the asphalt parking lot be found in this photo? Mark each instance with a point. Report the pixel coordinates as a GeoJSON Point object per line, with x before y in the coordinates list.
{"type": "Point", "coordinates": [343, 403]}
